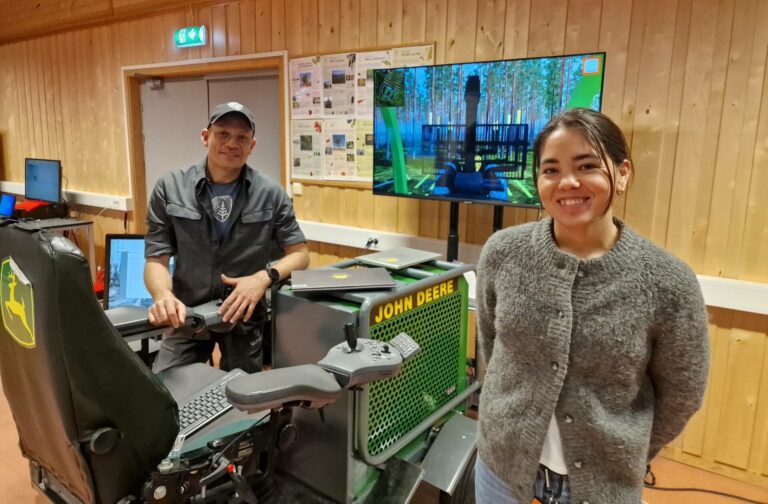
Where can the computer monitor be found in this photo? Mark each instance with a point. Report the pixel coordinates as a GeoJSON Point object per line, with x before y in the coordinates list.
{"type": "Point", "coordinates": [124, 275]}
{"type": "Point", "coordinates": [42, 180]}
{"type": "Point", "coordinates": [7, 204]}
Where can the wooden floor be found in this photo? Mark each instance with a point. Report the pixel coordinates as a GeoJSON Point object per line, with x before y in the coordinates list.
{"type": "Point", "coordinates": [15, 486]}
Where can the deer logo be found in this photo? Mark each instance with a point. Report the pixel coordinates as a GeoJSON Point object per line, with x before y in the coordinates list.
{"type": "Point", "coordinates": [16, 305]}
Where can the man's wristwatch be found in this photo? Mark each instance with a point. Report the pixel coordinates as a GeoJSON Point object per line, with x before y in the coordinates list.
{"type": "Point", "coordinates": [274, 275]}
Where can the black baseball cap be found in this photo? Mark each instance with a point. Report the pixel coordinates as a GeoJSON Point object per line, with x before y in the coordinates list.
{"type": "Point", "coordinates": [232, 107]}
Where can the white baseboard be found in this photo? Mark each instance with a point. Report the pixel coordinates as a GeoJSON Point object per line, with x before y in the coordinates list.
{"type": "Point", "coordinates": [358, 237]}
{"type": "Point", "coordinates": [719, 292]}
{"type": "Point", "coordinates": [110, 201]}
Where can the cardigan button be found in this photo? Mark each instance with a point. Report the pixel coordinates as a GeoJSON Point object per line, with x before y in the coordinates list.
{"type": "Point", "coordinates": [568, 419]}
{"type": "Point", "coordinates": [555, 366]}
{"type": "Point", "coordinates": [580, 273]}
{"type": "Point", "coordinates": [577, 464]}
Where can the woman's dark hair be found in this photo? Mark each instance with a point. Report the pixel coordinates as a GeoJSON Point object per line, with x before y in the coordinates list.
{"type": "Point", "coordinates": [601, 133]}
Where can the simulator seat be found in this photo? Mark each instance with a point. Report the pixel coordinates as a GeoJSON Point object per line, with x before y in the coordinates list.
{"type": "Point", "coordinates": [98, 427]}
{"type": "Point", "coordinates": [92, 419]}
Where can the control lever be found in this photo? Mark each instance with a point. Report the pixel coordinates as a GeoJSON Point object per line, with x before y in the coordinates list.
{"type": "Point", "coordinates": [350, 334]}
{"type": "Point", "coordinates": [241, 485]}
{"type": "Point", "coordinates": [223, 465]}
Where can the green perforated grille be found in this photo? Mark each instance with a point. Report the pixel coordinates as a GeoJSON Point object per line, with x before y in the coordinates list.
{"type": "Point", "coordinates": [427, 382]}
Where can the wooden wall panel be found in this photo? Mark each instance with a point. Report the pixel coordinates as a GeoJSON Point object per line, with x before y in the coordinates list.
{"type": "Point", "coordinates": [292, 21]}
{"type": "Point", "coordinates": [686, 81]}
{"type": "Point", "coordinates": [329, 19]}
{"type": "Point", "coordinates": [688, 175]}
{"type": "Point", "coordinates": [414, 21]}
{"type": "Point", "coordinates": [349, 24]}
{"type": "Point", "coordinates": [264, 32]}
{"type": "Point", "coordinates": [309, 25]}
{"type": "Point", "coordinates": [755, 247]}
{"type": "Point", "coordinates": [743, 97]}
{"type": "Point", "coordinates": [650, 118]}
{"type": "Point", "coordinates": [249, 20]}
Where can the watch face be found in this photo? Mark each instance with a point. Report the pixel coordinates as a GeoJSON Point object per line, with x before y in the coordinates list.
{"type": "Point", "coordinates": [274, 275]}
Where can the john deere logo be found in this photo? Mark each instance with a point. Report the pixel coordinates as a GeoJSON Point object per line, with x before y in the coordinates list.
{"type": "Point", "coordinates": [17, 304]}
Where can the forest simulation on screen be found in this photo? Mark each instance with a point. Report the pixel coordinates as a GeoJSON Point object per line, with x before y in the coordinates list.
{"type": "Point", "coordinates": [465, 132]}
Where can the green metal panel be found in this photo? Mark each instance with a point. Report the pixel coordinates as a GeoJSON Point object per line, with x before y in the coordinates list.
{"type": "Point", "coordinates": [429, 381]}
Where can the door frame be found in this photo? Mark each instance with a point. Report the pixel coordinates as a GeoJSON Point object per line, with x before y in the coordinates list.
{"type": "Point", "coordinates": [133, 76]}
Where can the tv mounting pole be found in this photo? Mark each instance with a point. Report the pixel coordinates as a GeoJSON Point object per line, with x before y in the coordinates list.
{"type": "Point", "coordinates": [498, 217]}
{"type": "Point", "coordinates": [453, 233]}
{"type": "Point", "coordinates": [472, 100]}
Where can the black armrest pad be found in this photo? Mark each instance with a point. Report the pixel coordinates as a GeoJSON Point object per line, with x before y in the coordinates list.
{"type": "Point", "coordinates": [130, 320]}
{"type": "Point", "coordinates": [308, 384]}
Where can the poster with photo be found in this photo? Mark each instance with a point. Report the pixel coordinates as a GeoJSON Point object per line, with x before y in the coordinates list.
{"type": "Point", "coordinates": [306, 87]}
{"type": "Point", "coordinates": [413, 56]}
{"type": "Point", "coordinates": [338, 84]}
{"type": "Point", "coordinates": [339, 157]}
{"type": "Point", "coordinates": [307, 149]}
{"type": "Point", "coordinates": [364, 149]}
{"type": "Point", "coordinates": [366, 63]}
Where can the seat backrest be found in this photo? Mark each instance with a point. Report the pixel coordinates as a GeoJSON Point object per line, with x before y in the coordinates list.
{"type": "Point", "coordinates": [67, 373]}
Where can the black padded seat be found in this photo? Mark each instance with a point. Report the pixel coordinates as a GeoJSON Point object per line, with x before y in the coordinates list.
{"type": "Point", "coordinates": [78, 375]}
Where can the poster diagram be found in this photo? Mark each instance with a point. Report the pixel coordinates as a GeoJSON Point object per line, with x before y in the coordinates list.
{"type": "Point", "coordinates": [413, 56]}
{"type": "Point", "coordinates": [332, 103]}
{"type": "Point", "coordinates": [307, 148]}
{"type": "Point", "coordinates": [305, 87]}
{"type": "Point", "coordinates": [339, 84]}
{"type": "Point", "coordinates": [364, 148]}
{"type": "Point", "coordinates": [339, 153]}
{"type": "Point", "coordinates": [366, 63]}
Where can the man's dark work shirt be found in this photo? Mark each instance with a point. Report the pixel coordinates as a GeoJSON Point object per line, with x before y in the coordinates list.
{"type": "Point", "coordinates": [180, 223]}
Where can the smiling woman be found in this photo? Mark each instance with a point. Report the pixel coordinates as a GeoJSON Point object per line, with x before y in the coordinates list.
{"type": "Point", "coordinates": [581, 160]}
{"type": "Point", "coordinates": [609, 342]}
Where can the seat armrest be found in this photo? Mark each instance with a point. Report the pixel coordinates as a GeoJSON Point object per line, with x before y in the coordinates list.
{"type": "Point", "coordinates": [132, 321]}
{"type": "Point", "coordinates": [309, 385]}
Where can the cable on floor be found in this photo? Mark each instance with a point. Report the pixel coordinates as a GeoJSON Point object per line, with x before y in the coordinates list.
{"type": "Point", "coordinates": [651, 485]}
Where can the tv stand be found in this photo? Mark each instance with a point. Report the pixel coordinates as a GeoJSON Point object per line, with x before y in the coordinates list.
{"type": "Point", "coordinates": [452, 253]}
{"type": "Point", "coordinates": [453, 233]}
{"type": "Point", "coordinates": [498, 218]}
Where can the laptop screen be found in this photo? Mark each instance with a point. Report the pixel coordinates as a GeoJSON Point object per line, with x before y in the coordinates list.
{"type": "Point", "coordinates": [124, 278]}
{"type": "Point", "coordinates": [7, 204]}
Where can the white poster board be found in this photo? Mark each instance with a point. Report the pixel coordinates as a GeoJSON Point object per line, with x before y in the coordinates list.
{"type": "Point", "coordinates": [332, 111]}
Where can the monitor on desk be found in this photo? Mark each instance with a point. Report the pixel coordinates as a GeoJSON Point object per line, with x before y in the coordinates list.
{"type": "Point", "coordinates": [124, 275]}
{"type": "Point", "coordinates": [42, 180]}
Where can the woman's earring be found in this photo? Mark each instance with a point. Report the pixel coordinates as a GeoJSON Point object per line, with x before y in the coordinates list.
{"type": "Point", "coordinates": [619, 191]}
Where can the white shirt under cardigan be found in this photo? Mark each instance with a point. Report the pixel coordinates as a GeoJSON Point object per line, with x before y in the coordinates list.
{"type": "Point", "coordinates": [552, 451]}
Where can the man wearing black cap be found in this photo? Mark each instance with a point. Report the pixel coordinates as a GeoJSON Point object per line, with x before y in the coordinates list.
{"type": "Point", "coordinates": [219, 218]}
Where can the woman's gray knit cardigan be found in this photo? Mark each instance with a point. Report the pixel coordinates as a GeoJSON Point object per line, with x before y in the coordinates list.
{"type": "Point", "coordinates": [616, 347]}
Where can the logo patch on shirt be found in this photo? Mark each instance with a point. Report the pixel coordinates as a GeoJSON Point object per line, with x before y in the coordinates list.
{"type": "Point", "coordinates": [222, 207]}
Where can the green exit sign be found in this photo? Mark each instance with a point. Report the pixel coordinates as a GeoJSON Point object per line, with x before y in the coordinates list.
{"type": "Point", "coordinates": [191, 36]}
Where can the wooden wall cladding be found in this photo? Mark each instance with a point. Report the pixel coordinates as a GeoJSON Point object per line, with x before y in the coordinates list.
{"type": "Point", "coordinates": [686, 81]}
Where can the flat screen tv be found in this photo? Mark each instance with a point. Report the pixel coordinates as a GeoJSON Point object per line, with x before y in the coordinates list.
{"type": "Point", "coordinates": [464, 132]}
